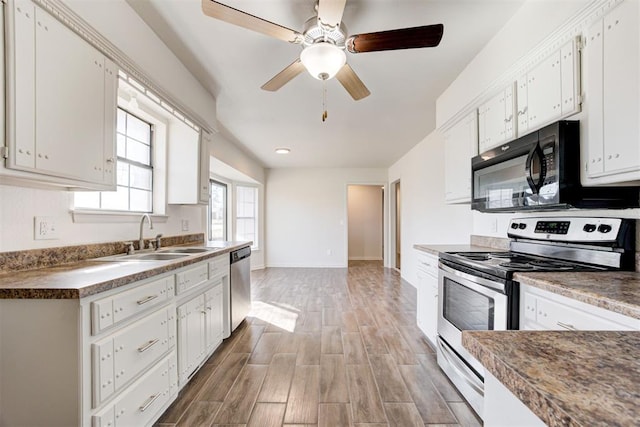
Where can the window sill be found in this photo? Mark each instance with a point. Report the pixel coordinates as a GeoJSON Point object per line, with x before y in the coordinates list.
{"type": "Point", "coordinates": [97, 216]}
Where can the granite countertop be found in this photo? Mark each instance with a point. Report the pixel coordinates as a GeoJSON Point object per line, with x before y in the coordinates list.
{"type": "Point", "coordinates": [617, 291]}
{"type": "Point", "coordinates": [566, 378]}
{"type": "Point", "coordinates": [92, 276]}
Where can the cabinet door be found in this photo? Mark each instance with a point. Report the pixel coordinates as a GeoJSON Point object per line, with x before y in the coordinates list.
{"type": "Point", "coordinates": [23, 73]}
{"type": "Point", "coordinates": [205, 143]}
{"type": "Point", "coordinates": [595, 124]}
{"type": "Point", "coordinates": [544, 91]}
{"type": "Point", "coordinates": [191, 339]}
{"type": "Point", "coordinates": [496, 120]}
{"type": "Point", "coordinates": [213, 308]}
{"type": "Point", "coordinates": [570, 72]}
{"type": "Point", "coordinates": [509, 110]}
{"type": "Point", "coordinates": [69, 92]}
{"type": "Point", "coordinates": [110, 117]}
{"type": "Point", "coordinates": [461, 142]}
{"type": "Point", "coordinates": [522, 105]}
{"type": "Point", "coordinates": [621, 88]}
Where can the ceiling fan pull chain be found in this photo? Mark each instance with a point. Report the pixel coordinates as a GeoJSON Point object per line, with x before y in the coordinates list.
{"type": "Point", "coordinates": [324, 100]}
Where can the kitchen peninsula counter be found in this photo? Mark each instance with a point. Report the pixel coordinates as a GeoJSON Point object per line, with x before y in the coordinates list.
{"type": "Point", "coordinates": [566, 378]}
{"type": "Point", "coordinates": [92, 276]}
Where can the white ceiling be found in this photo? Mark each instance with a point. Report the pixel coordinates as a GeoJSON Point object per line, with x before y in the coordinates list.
{"type": "Point", "coordinates": [232, 63]}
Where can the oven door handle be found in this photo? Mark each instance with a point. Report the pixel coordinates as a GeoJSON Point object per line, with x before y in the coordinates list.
{"type": "Point", "coordinates": [473, 279]}
{"type": "Point", "coordinates": [460, 369]}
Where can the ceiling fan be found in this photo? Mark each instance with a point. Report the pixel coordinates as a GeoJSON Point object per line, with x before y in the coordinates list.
{"type": "Point", "coordinates": [325, 39]}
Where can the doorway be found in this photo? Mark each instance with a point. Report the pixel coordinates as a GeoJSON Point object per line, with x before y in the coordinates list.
{"type": "Point", "coordinates": [365, 213]}
{"type": "Point", "coordinates": [395, 245]}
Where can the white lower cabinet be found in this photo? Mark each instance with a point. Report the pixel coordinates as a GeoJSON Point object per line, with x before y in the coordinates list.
{"type": "Point", "coordinates": [427, 296]}
{"type": "Point", "coordinates": [543, 310]}
{"type": "Point", "coordinates": [110, 359]}
{"type": "Point", "coordinates": [199, 329]}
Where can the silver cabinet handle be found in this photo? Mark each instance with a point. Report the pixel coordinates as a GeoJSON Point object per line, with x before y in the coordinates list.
{"type": "Point", "coordinates": [566, 326]}
{"type": "Point", "coordinates": [146, 299]}
{"type": "Point", "coordinates": [149, 402]}
{"type": "Point", "coordinates": [148, 345]}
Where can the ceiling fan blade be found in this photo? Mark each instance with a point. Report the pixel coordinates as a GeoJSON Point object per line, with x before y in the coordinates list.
{"type": "Point", "coordinates": [237, 17]}
{"type": "Point", "coordinates": [284, 76]}
{"type": "Point", "coordinates": [330, 12]}
{"type": "Point", "coordinates": [404, 38]}
{"type": "Point", "coordinates": [352, 83]}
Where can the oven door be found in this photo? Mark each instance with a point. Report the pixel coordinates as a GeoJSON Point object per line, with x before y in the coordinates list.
{"type": "Point", "coordinates": [467, 302]}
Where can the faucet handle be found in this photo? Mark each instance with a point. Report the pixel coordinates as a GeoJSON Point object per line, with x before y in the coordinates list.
{"type": "Point", "coordinates": [130, 248]}
{"type": "Point", "coordinates": [158, 241]}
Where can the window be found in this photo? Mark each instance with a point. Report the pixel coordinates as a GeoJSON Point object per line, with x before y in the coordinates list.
{"type": "Point", "coordinates": [217, 211]}
{"type": "Point", "coordinates": [247, 214]}
{"type": "Point", "coordinates": [134, 170]}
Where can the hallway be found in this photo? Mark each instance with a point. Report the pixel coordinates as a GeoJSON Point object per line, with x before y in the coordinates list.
{"type": "Point", "coordinates": [324, 347]}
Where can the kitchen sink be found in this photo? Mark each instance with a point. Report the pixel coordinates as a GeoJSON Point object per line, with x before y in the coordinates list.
{"type": "Point", "coordinates": [183, 250]}
{"type": "Point", "coordinates": [144, 257]}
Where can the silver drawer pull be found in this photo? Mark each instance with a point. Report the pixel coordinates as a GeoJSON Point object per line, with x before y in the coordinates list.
{"type": "Point", "coordinates": [566, 326]}
{"type": "Point", "coordinates": [146, 299]}
{"type": "Point", "coordinates": [147, 346]}
{"type": "Point", "coordinates": [149, 402]}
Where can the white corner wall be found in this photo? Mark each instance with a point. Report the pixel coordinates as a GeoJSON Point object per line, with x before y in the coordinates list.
{"type": "Point", "coordinates": [365, 220]}
{"type": "Point", "coordinates": [425, 218]}
{"type": "Point", "coordinates": [306, 214]}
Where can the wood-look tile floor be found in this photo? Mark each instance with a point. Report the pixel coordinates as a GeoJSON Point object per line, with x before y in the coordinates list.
{"type": "Point", "coordinates": [326, 348]}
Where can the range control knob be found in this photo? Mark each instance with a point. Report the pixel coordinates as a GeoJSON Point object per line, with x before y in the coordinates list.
{"type": "Point", "coordinates": [514, 225]}
{"type": "Point", "coordinates": [604, 228]}
{"type": "Point", "coordinates": [522, 226]}
{"type": "Point", "coordinates": [589, 228]}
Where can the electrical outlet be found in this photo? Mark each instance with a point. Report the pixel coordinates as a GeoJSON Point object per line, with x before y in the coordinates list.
{"type": "Point", "coordinates": [185, 225]}
{"type": "Point", "coordinates": [45, 228]}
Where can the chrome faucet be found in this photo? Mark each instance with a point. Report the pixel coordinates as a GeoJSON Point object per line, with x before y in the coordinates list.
{"type": "Point", "coordinates": [141, 241]}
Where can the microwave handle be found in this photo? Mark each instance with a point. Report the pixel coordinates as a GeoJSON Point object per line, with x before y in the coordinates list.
{"type": "Point", "coordinates": [535, 186]}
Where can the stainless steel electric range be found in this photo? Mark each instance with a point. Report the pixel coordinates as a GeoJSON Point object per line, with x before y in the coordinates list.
{"type": "Point", "coordinates": [477, 290]}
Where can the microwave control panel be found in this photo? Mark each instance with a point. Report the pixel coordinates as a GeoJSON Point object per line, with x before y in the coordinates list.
{"type": "Point", "coordinates": [574, 229]}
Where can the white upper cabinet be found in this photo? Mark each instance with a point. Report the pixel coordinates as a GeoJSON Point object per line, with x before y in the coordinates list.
{"type": "Point", "coordinates": [549, 91]}
{"type": "Point", "coordinates": [613, 95]}
{"type": "Point", "coordinates": [188, 165]}
{"type": "Point", "coordinates": [461, 144]}
{"type": "Point", "coordinates": [62, 94]}
{"type": "Point", "coordinates": [496, 120]}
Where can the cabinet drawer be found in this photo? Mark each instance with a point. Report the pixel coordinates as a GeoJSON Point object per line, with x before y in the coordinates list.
{"type": "Point", "coordinates": [141, 403]}
{"type": "Point", "coordinates": [112, 310]}
{"type": "Point", "coordinates": [123, 356]}
{"type": "Point", "coordinates": [219, 267]}
{"type": "Point", "coordinates": [428, 264]}
{"type": "Point", "coordinates": [553, 315]}
{"type": "Point", "coordinates": [192, 277]}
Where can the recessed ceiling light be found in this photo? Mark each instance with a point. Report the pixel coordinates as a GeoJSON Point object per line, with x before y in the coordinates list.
{"type": "Point", "coordinates": [283, 150]}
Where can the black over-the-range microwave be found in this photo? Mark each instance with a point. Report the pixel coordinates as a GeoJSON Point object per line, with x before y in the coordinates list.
{"type": "Point", "coordinates": [541, 170]}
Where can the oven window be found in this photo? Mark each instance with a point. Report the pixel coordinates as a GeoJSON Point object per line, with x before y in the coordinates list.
{"type": "Point", "coordinates": [466, 309]}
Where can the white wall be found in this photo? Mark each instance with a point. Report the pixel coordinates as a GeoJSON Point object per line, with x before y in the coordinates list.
{"type": "Point", "coordinates": [365, 212]}
{"type": "Point", "coordinates": [425, 218]}
{"type": "Point", "coordinates": [306, 214]}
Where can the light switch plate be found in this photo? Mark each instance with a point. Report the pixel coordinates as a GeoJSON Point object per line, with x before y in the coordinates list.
{"type": "Point", "coordinates": [45, 228]}
{"type": "Point", "coordinates": [185, 225]}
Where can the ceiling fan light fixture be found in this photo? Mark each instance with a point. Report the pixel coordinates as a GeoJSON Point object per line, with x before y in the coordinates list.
{"type": "Point", "coordinates": [323, 60]}
{"type": "Point", "coordinates": [283, 150]}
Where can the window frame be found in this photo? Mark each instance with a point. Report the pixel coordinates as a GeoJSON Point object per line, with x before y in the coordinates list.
{"type": "Point", "coordinates": [225, 225]}
{"type": "Point", "coordinates": [256, 213]}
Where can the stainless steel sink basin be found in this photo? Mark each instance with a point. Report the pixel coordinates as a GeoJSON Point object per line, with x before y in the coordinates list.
{"type": "Point", "coordinates": [144, 257]}
{"type": "Point", "coordinates": [183, 250]}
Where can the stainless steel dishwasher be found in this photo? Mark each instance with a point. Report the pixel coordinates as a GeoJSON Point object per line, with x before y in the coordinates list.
{"type": "Point", "coordinates": [240, 286]}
